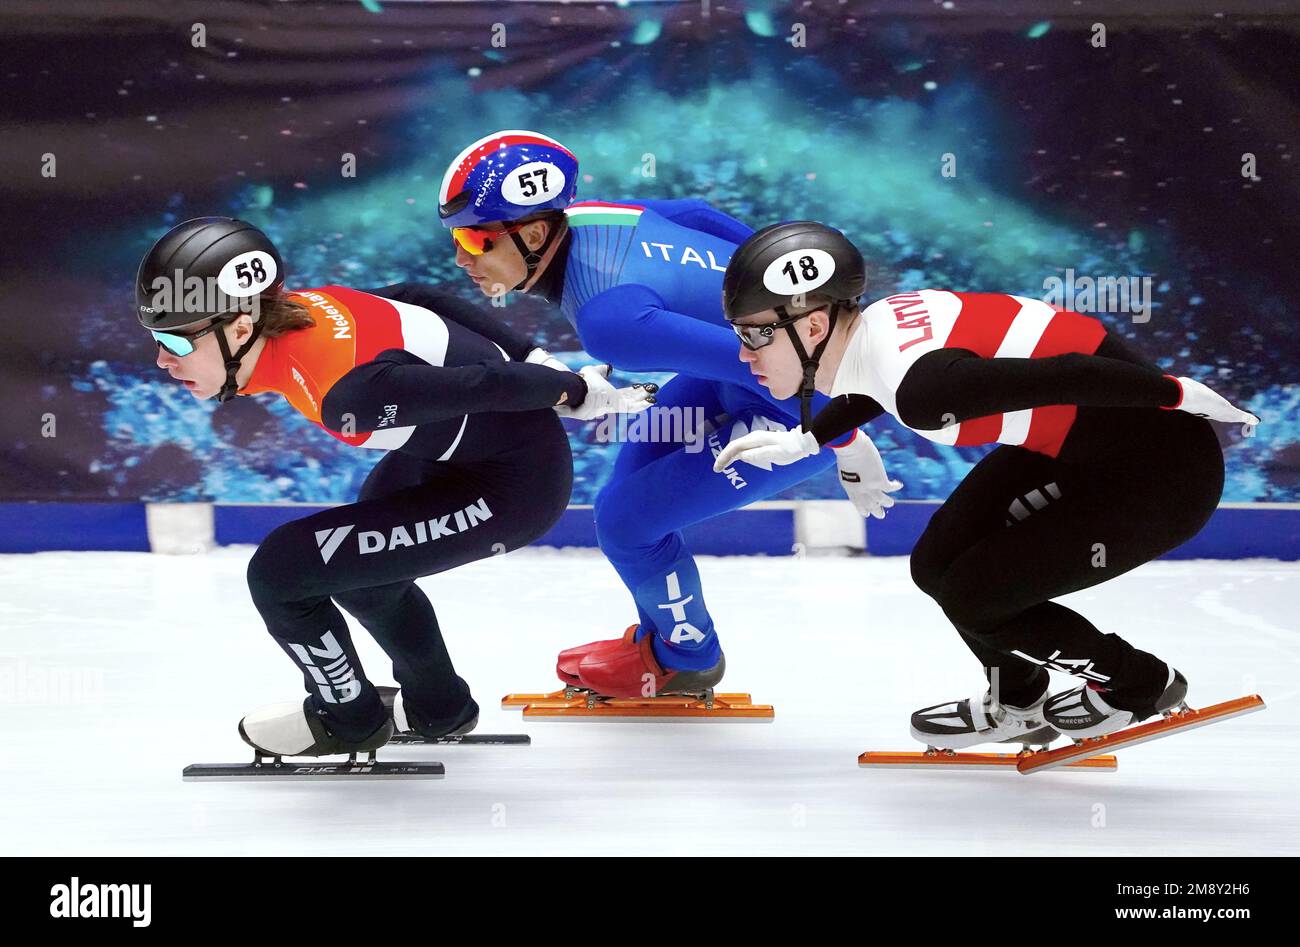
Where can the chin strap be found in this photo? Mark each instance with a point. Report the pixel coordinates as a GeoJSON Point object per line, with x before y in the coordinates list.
{"type": "Point", "coordinates": [231, 387]}
{"type": "Point", "coordinates": [810, 362]}
{"type": "Point", "coordinates": [533, 258]}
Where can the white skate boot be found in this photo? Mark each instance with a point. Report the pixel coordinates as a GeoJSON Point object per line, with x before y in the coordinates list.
{"type": "Point", "coordinates": [959, 724]}
{"type": "Point", "coordinates": [1083, 712]}
{"type": "Point", "coordinates": [296, 729]}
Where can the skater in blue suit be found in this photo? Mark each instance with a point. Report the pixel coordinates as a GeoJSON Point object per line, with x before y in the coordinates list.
{"type": "Point", "coordinates": [642, 283]}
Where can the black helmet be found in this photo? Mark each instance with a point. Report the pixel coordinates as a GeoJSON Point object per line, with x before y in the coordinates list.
{"type": "Point", "coordinates": [785, 261]}
{"type": "Point", "coordinates": [781, 265]}
{"type": "Point", "coordinates": [208, 268]}
{"type": "Point", "coordinates": [223, 254]}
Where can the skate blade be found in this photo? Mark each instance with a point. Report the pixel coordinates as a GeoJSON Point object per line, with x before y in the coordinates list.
{"type": "Point", "coordinates": [569, 695]}
{"type": "Point", "coordinates": [575, 704]}
{"type": "Point", "coordinates": [1188, 719]}
{"type": "Point", "coordinates": [262, 769]}
{"type": "Point", "coordinates": [958, 760]}
{"type": "Point", "coordinates": [463, 739]}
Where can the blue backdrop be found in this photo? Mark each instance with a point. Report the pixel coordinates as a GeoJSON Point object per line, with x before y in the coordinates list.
{"type": "Point", "coordinates": [1126, 159]}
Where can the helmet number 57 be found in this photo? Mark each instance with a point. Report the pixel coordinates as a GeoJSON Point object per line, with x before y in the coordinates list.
{"type": "Point", "coordinates": [528, 185]}
{"type": "Point", "coordinates": [533, 183]}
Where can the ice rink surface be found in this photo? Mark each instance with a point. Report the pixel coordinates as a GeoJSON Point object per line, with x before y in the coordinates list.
{"type": "Point", "coordinates": [121, 668]}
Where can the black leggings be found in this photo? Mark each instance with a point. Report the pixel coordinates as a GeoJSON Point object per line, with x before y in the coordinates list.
{"type": "Point", "coordinates": [1024, 528]}
{"type": "Point", "coordinates": [414, 517]}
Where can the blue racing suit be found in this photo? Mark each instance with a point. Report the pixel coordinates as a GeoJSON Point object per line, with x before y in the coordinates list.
{"type": "Point", "coordinates": [642, 284]}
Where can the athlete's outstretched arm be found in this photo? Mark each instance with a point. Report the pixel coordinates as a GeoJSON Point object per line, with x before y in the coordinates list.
{"type": "Point", "coordinates": [630, 327]}
{"type": "Point", "coordinates": [450, 306]}
{"type": "Point", "coordinates": [424, 392]}
{"type": "Point", "coordinates": [951, 385]}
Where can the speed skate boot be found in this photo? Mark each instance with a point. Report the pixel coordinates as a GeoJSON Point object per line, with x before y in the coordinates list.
{"type": "Point", "coordinates": [299, 729]}
{"type": "Point", "coordinates": [630, 669]}
{"type": "Point", "coordinates": [566, 667]}
{"type": "Point", "coordinates": [959, 724]}
{"type": "Point", "coordinates": [1091, 711]}
{"type": "Point", "coordinates": [406, 719]}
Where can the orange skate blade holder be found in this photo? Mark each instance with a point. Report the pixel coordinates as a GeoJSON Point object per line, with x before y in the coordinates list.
{"type": "Point", "coordinates": [939, 759]}
{"type": "Point", "coordinates": [577, 704]}
{"type": "Point", "coordinates": [1183, 719]}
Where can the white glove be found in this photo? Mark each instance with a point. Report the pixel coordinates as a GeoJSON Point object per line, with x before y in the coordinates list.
{"type": "Point", "coordinates": [603, 398]}
{"type": "Point", "coordinates": [542, 357]}
{"type": "Point", "coordinates": [762, 449]}
{"type": "Point", "coordinates": [863, 477]}
{"type": "Point", "coordinates": [1201, 401]}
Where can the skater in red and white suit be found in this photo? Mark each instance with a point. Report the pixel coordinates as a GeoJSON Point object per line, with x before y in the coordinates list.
{"type": "Point", "coordinates": [1106, 464]}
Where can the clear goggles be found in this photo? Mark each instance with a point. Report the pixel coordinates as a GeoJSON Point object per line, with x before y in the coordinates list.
{"type": "Point", "coordinates": [761, 336]}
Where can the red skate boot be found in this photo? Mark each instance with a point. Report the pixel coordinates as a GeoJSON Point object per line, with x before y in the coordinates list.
{"type": "Point", "coordinates": [566, 667]}
{"type": "Point", "coordinates": [621, 679]}
{"type": "Point", "coordinates": [629, 669]}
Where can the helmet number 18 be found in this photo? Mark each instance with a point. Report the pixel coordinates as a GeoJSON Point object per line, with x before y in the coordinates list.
{"type": "Point", "coordinates": [798, 271]}
{"type": "Point", "coordinates": [806, 264]}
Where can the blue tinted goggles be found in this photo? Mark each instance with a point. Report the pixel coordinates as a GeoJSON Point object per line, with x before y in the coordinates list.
{"type": "Point", "coordinates": [178, 344]}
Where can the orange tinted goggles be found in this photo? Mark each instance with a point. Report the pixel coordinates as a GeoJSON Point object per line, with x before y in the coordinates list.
{"type": "Point", "coordinates": [477, 241]}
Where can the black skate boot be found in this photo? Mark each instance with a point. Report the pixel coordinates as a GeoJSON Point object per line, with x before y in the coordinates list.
{"type": "Point", "coordinates": [405, 721]}
{"type": "Point", "coordinates": [1086, 711]}
{"type": "Point", "coordinates": [299, 729]}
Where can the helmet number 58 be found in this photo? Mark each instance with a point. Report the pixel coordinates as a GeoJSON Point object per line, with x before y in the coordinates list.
{"type": "Point", "coordinates": [247, 278]}
{"type": "Point", "coordinates": [247, 273]}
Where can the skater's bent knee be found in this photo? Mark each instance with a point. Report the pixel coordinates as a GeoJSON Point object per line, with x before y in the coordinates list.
{"type": "Point", "coordinates": [927, 571]}
{"type": "Point", "coordinates": [976, 609]}
{"type": "Point", "coordinates": [621, 525]}
{"type": "Point", "coordinates": [929, 563]}
{"type": "Point", "coordinates": [260, 576]}
{"type": "Point", "coordinates": [267, 581]}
